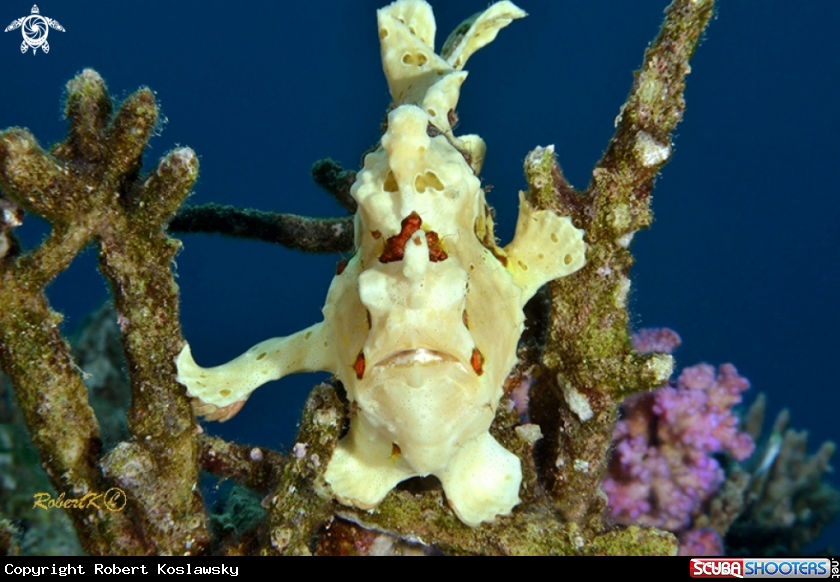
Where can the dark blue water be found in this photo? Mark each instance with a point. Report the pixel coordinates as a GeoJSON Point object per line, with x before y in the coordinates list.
{"type": "Point", "coordinates": [743, 257]}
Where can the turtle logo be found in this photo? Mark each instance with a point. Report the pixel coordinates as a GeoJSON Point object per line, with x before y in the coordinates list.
{"type": "Point", "coordinates": [35, 29]}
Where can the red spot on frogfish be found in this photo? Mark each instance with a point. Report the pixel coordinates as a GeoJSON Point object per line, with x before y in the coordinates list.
{"type": "Point", "coordinates": [359, 365]}
{"type": "Point", "coordinates": [395, 245]}
{"type": "Point", "coordinates": [477, 361]}
{"type": "Point", "coordinates": [341, 265]}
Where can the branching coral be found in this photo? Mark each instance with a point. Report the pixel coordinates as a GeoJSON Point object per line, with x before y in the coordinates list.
{"type": "Point", "coordinates": [783, 499]}
{"type": "Point", "coordinates": [90, 188]}
{"type": "Point", "coordinates": [588, 321]}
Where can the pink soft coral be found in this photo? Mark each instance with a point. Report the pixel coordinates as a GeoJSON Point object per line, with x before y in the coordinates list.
{"type": "Point", "coordinates": [662, 471]}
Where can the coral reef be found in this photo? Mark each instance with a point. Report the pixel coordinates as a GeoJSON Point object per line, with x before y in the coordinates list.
{"type": "Point", "coordinates": [575, 354]}
{"type": "Point", "coordinates": [784, 502]}
{"type": "Point", "coordinates": [681, 463]}
{"type": "Point", "coordinates": [89, 189]}
{"type": "Point", "coordinates": [96, 348]}
{"type": "Point", "coordinates": [663, 471]}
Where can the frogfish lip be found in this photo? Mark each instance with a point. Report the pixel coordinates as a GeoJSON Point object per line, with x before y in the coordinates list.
{"type": "Point", "coordinates": [416, 356]}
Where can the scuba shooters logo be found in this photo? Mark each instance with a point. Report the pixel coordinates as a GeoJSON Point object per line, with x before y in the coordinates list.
{"type": "Point", "coordinates": [35, 29]}
{"type": "Point", "coordinates": [762, 568]}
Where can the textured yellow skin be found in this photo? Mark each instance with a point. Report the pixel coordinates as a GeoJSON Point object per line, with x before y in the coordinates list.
{"type": "Point", "coordinates": [421, 346]}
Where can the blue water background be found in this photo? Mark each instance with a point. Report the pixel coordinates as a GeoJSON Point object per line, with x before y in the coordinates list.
{"type": "Point", "coordinates": [742, 259]}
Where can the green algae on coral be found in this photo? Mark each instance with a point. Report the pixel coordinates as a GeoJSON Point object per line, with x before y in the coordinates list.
{"type": "Point", "coordinates": [89, 188]}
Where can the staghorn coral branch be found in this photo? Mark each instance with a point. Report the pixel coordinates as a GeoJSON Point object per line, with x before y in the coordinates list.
{"type": "Point", "coordinates": [135, 257]}
{"type": "Point", "coordinates": [52, 395]}
{"type": "Point", "coordinates": [588, 355]}
{"type": "Point", "coordinates": [534, 532]}
{"type": "Point", "coordinates": [10, 218]}
{"type": "Point", "coordinates": [318, 235]}
{"type": "Point", "coordinates": [126, 136]}
{"type": "Point", "coordinates": [42, 265]}
{"type": "Point", "coordinates": [42, 183]}
{"type": "Point", "coordinates": [781, 499]}
{"type": "Point", "coordinates": [641, 144]}
{"type": "Point", "coordinates": [54, 402]}
{"type": "Point", "coordinates": [256, 468]}
{"type": "Point", "coordinates": [330, 176]}
{"type": "Point", "coordinates": [89, 110]}
{"type": "Point", "coordinates": [302, 502]}
{"type": "Point", "coordinates": [89, 189]}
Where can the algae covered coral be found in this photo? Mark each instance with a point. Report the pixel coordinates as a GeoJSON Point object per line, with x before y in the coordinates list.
{"type": "Point", "coordinates": [282, 535]}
